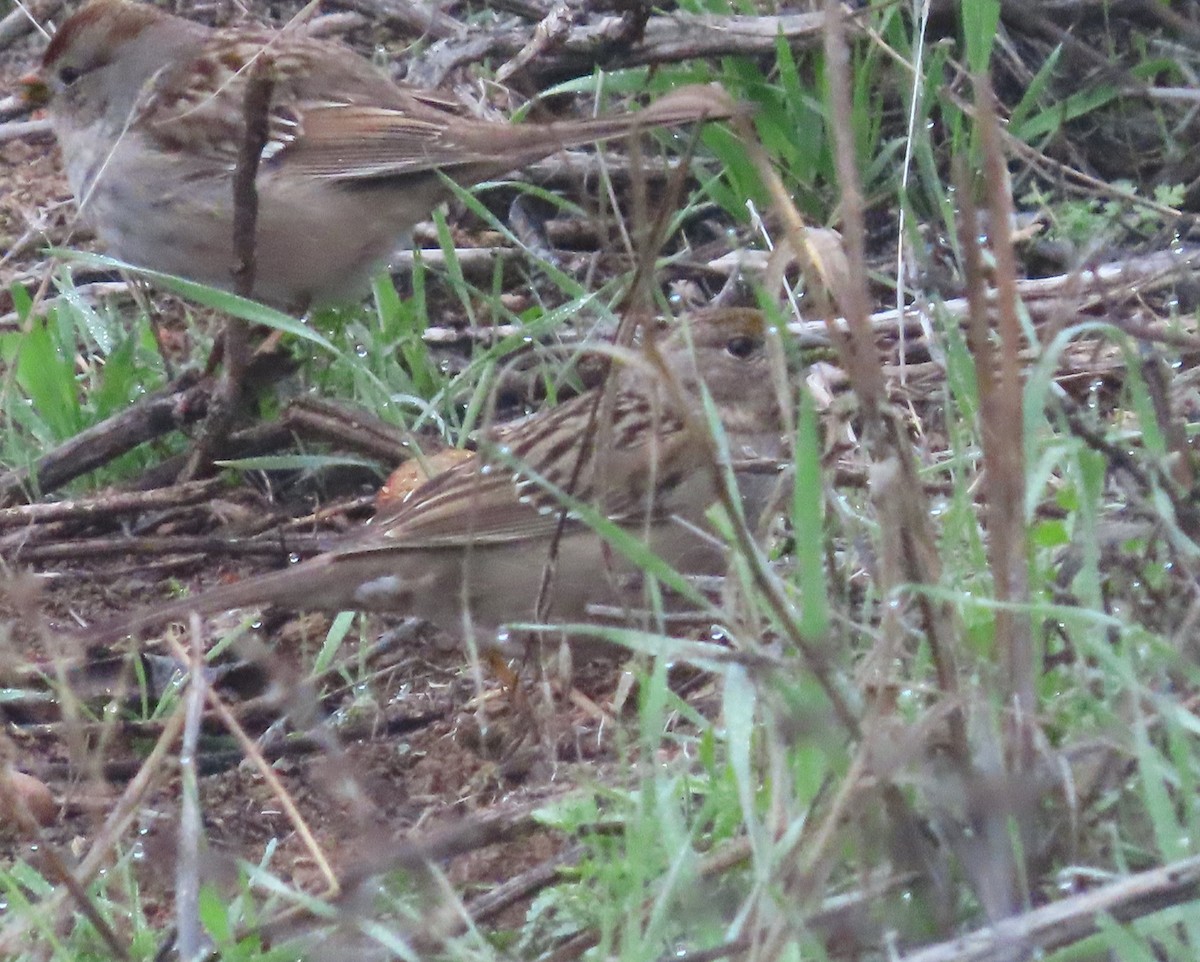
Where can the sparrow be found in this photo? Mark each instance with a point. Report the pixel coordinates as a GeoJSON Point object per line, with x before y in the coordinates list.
{"type": "Point", "coordinates": [473, 548]}
{"type": "Point", "coordinates": [150, 112]}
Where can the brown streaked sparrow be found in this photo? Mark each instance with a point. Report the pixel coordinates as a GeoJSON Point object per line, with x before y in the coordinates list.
{"type": "Point", "coordinates": [149, 111]}
{"type": "Point", "coordinates": [471, 545]}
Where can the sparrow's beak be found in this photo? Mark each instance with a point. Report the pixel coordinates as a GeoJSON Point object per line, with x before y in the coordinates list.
{"type": "Point", "coordinates": [32, 90]}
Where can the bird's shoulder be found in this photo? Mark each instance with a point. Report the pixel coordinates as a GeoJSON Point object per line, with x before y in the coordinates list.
{"type": "Point", "coordinates": [329, 111]}
{"type": "Point", "coordinates": [526, 481]}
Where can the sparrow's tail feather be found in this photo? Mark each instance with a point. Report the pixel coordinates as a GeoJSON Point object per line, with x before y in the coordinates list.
{"type": "Point", "coordinates": [684, 105]}
{"type": "Point", "coordinates": [304, 587]}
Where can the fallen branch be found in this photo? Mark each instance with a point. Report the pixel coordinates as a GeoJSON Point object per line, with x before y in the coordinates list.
{"type": "Point", "coordinates": [106, 506]}
{"type": "Point", "coordinates": [182, 402]}
{"type": "Point", "coordinates": [209, 546]}
{"type": "Point", "coordinates": [666, 39]}
{"type": "Point", "coordinates": [21, 19]}
{"type": "Point", "coordinates": [1069, 920]}
{"type": "Point", "coordinates": [1044, 297]}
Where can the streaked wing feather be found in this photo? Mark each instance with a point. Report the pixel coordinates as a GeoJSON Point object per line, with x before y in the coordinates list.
{"type": "Point", "coordinates": [495, 502]}
{"type": "Point", "coordinates": [355, 143]}
{"type": "Point", "coordinates": [199, 105]}
{"type": "Point", "coordinates": [465, 505]}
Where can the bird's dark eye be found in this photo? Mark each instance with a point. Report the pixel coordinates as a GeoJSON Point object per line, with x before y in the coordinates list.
{"type": "Point", "coordinates": [68, 74]}
{"type": "Point", "coordinates": [742, 346]}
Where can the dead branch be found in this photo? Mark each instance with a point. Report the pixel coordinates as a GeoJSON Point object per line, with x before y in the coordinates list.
{"type": "Point", "coordinates": [1068, 920]}
{"type": "Point", "coordinates": [666, 39]}
{"type": "Point", "coordinates": [180, 403]}
{"type": "Point", "coordinates": [105, 506]}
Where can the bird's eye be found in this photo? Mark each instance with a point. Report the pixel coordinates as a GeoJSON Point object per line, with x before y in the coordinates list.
{"type": "Point", "coordinates": [67, 74]}
{"type": "Point", "coordinates": [742, 346]}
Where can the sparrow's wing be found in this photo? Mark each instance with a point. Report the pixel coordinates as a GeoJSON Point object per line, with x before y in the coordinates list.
{"type": "Point", "coordinates": [631, 476]}
{"type": "Point", "coordinates": [345, 119]}
{"type": "Point", "coordinates": [356, 143]}
{"type": "Point", "coordinates": [349, 122]}
{"type": "Point", "coordinates": [368, 140]}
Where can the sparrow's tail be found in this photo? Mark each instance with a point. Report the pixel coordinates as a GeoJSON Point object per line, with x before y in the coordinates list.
{"type": "Point", "coordinates": [306, 586]}
{"type": "Point", "coordinates": [684, 105]}
{"type": "Point", "coordinates": [492, 149]}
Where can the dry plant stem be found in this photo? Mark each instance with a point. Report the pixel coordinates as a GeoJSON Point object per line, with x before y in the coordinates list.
{"type": "Point", "coordinates": [1045, 298]}
{"type": "Point", "coordinates": [53, 860]}
{"type": "Point", "coordinates": [1085, 290]}
{"type": "Point", "coordinates": [248, 746]}
{"type": "Point", "coordinates": [914, 546]}
{"type": "Point", "coordinates": [992, 869]}
{"type": "Point", "coordinates": [60, 871]}
{"type": "Point", "coordinates": [637, 306]}
{"type": "Point", "coordinates": [11, 937]}
{"type": "Point", "coordinates": [664, 39]}
{"type": "Point", "coordinates": [886, 442]}
{"type": "Point", "coordinates": [594, 432]}
{"type": "Point", "coordinates": [522, 886]}
{"type": "Point", "coordinates": [22, 19]}
{"type": "Point", "coordinates": [909, 547]}
{"type": "Point", "coordinates": [805, 868]}
{"type": "Point", "coordinates": [1148, 478]}
{"type": "Point", "coordinates": [845, 702]}
{"type": "Point", "coordinates": [126, 807]}
{"type": "Point", "coordinates": [168, 545]}
{"type": "Point", "coordinates": [309, 418]}
{"type": "Point", "coordinates": [1064, 174]}
{"type": "Point", "coordinates": [1174, 431]}
{"type": "Point", "coordinates": [997, 440]}
{"type": "Point", "coordinates": [415, 16]}
{"type": "Point", "coordinates": [1003, 423]}
{"type": "Point", "coordinates": [548, 34]}
{"type": "Point", "coordinates": [686, 36]}
{"type": "Point", "coordinates": [352, 427]}
{"type": "Point", "coordinates": [188, 939]}
{"type": "Point", "coordinates": [858, 349]}
{"type": "Point", "coordinates": [855, 346]}
{"type": "Point", "coordinates": [1068, 920]}
{"type": "Point", "coordinates": [26, 130]}
{"type": "Point", "coordinates": [348, 427]}
{"type": "Point", "coordinates": [359, 885]}
{"type": "Point", "coordinates": [181, 402]}
{"type": "Point", "coordinates": [256, 117]}
{"type": "Point", "coordinates": [106, 506]}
